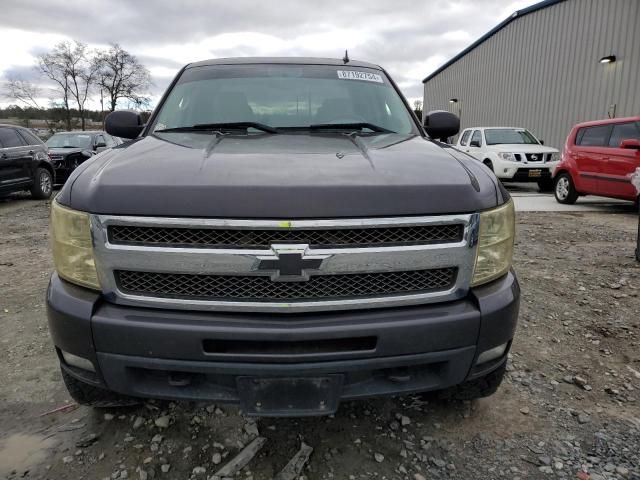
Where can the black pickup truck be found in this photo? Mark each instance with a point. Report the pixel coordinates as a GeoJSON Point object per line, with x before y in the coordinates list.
{"type": "Point", "coordinates": [283, 234]}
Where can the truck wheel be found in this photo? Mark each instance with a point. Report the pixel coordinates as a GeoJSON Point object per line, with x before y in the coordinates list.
{"type": "Point", "coordinates": [42, 184]}
{"type": "Point", "coordinates": [564, 190]}
{"type": "Point", "coordinates": [478, 388]}
{"type": "Point", "coordinates": [545, 185]}
{"type": "Point", "coordinates": [91, 396]}
{"type": "Point", "coordinates": [488, 163]}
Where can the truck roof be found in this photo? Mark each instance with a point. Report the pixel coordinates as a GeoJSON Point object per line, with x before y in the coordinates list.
{"type": "Point", "coordinates": [607, 121]}
{"type": "Point", "coordinates": [495, 127]}
{"type": "Point", "coordinates": [283, 60]}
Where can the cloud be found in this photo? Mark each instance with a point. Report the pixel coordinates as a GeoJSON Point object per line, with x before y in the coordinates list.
{"type": "Point", "coordinates": [409, 39]}
{"type": "Point", "coordinates": [20, 47]}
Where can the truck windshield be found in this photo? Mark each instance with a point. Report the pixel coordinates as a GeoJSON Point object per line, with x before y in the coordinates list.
{"type": "Point", "coordinates": [283, 97]}
{"type": "Point", "coordinates": [497, 136]}
{"type": "Point", "coordinates": [69, 140]}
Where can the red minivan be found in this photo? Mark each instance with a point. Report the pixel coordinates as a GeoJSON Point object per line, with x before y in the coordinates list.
{"type": "Point", "coordinates": [598, 159]}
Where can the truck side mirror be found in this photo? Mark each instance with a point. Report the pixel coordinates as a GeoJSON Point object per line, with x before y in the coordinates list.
{"type": "Point", "coordinates": [124, 123]}
{"type": "Point", "coordinates": [441, 125]}
{"type": "Point", "coordinates": [475, 143]}
{"type": "Point", "coordinates": [541, 142]}
{"type": "Point", "coordinates": [630, 144]}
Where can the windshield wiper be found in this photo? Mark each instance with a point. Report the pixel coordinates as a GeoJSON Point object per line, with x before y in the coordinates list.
{"type": "Point", "coordinates": [350, 126]}
{"type": "Point", "coordinates": [202, 127]}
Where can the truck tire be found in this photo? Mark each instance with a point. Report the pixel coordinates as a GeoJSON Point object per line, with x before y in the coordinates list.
{"type": "Point", "coordinates": [545, 185]}
{"type": "Point", "coordinates": [91, 396]}
{"type": "Point", "coordinates": [477, 388]}
{"type": "Point", "coordinates": [42, 184]}
{"type": "Point", "coordinates": [564, 190]}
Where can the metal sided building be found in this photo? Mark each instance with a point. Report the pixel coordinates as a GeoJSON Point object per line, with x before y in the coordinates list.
{"type": "Point", "coordinates": [546, 68]}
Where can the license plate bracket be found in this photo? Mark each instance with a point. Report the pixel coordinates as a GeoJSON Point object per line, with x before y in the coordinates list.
{"type": "Point", "coordinates": [535, 172]}
{"type": "Point", "coordinates": [289, 396]}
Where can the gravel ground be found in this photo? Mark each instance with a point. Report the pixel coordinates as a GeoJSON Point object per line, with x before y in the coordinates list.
{"type": "Point", "coordinates": [569, 407]}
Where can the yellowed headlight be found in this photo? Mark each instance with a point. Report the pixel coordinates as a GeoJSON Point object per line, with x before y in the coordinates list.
{"type": "Point", "coordinates": [71, 246]}
{"type": "Point", "coordinates": [495, 243]}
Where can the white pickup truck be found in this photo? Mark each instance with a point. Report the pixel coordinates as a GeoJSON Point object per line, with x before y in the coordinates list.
{"type": "Point", "coordinates": [514, 154]}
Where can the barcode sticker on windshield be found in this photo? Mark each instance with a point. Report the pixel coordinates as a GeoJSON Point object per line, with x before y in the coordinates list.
{"type": "Point", "coordinates": [353, 75]}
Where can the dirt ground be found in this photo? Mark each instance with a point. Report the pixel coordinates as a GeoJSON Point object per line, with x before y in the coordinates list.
{"type": "Point", "coordinates": [570, 403]}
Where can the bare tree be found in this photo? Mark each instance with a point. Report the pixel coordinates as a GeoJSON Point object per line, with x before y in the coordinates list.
{"type": "Point", "coordinates": [82, 74]}
{"type": "Point", "coordinates": [122, 76]}
{"type": "Point", "coordinates": [25, 92]}
{"type": "Point", "coordinates": [52, 66]}
{"type": "Point", "coordinates": [417, 107]}
{"type": "Point", "coordinates": [70, 67]}
{"type": "Point", "coordinates": [22, 91]}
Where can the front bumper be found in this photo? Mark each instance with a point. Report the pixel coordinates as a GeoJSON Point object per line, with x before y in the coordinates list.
{"type": "Point", "coordinates": [170, 354]}
{"type": "Point", "coordinates": [62, 174]}
{"type": "Point", "coordinates": [518, 172]}
{"type": "Point", "coordinates": [65, 166]}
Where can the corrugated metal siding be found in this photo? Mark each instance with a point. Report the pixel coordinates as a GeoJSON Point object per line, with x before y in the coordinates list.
{"type": "Point", "coordinates": [541, 71]}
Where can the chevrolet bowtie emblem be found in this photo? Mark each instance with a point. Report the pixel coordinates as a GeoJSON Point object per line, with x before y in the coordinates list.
{"type": "Point", "coordinates": [290, 263]}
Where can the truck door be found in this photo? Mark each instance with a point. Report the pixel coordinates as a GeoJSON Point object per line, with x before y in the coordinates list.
{"type": "Point", "coordinates": [591, 154]}
{"type": "Point", "coordinates": [14, 158]}
{"type": "Point", "coordinates": [475, 145]}
{"type": "Point", "coordinates": [621, 162]}
{"type": "Point", "coordinates": [464, 139]}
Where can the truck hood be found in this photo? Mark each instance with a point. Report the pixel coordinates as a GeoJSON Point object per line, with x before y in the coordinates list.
{"type": "Point", "coordinates": [66, 151]}
{"type": "Point", "coordinates": [521, 148]}
{"type": "Point", "coordinates": [297, 175]}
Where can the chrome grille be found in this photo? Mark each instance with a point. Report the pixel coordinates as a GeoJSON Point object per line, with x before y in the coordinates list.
{"type": "Point", "coordinates": [329, 238]}
{"type": "Point", "coordinates": [217, 264]}
{"type": "Point", "coordinates": [257, 288]}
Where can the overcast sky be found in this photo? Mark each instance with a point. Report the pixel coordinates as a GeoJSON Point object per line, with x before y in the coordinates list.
{"type": "Point", "coordinates": [410, 38]}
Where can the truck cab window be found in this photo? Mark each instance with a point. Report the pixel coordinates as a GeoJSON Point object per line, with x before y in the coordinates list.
{"type": "Point", "coordinates": [476, 139]}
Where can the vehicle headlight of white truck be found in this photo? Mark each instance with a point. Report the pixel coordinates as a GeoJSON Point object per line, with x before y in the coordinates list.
{"type": "Point", "coordinates": [509, 157]}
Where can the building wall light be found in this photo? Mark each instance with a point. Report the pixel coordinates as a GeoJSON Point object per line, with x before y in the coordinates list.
{"type": "Point", "coordinates": [608, 59]}
{"type": "Point", "coordinates": [453, 100]}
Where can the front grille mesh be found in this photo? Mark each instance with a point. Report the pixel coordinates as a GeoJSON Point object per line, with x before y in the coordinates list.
{"type": "Point", "coordinates": [326, 238]}
{"type": "Point", "coordinates": [262, 288]}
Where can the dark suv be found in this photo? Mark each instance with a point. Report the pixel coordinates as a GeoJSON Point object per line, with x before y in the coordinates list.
{"type": "Point", "coordinates": [24, 163]}
{"type": "Point", "coordinates": [70, 149]}
{"type": "Point", "coordinates": [282, 233]}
